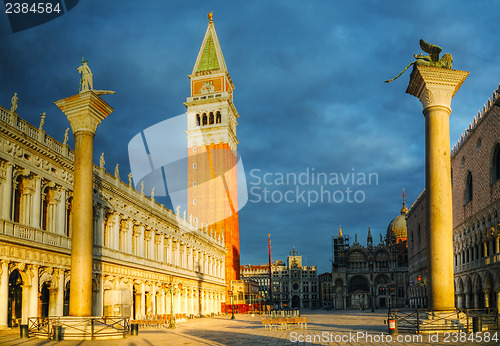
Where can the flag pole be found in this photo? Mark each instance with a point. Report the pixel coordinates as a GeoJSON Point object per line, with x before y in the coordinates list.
{"type": "Point", "coordinates": [270, 273]}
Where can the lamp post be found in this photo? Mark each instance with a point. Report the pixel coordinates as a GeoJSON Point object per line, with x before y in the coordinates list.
{"type": "Point", "coordinates": [172, 289]}
{"type": "Point", "coordinates": [230, 292]}
{"type": "Point", "coordinates": [373, 299]}
{"type": "Point", "coordinates": [421, 284]}
{"type": "Point", "coordinates": [419, 279]}
{"type": "Point", "coordinates": [389, 295]}
{"type": "Point", "coordinates": [249, 295]}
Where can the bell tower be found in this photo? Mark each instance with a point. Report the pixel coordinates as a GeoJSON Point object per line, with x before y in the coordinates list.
{"type": "Point", "coordinates": [212, 150]}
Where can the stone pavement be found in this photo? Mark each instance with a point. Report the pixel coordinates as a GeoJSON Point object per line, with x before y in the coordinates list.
{"type": "Point", "coordinates": [324, 328]}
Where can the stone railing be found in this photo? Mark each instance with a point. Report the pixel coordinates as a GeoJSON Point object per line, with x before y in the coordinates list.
{"type": "Point", "coordinates": [35, 133]}
{"type": "Point", "coordinates": [210, 96]}
{"type": "Point", "coordinates": [4, 115]}
{"type": "Point", "coordinates": [476, 264]}
{"type": "Point", "coordinates": [23, 232]}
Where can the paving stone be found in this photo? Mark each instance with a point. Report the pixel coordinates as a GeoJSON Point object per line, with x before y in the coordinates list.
{"type": "Point", "coordinates": [323, 327]}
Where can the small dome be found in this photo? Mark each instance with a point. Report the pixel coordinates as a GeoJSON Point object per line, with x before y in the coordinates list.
{"type": "Point", "coordinates": [397, 227]}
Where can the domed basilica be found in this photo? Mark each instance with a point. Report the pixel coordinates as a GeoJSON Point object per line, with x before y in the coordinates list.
{"type": "Point", "coordinates": [372, 276]}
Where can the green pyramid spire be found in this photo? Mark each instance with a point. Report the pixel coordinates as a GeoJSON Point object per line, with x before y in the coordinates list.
{"type": "Point", "coordinates": [209, 60]}
{"type": "Point", "coordinates": [210, 57]}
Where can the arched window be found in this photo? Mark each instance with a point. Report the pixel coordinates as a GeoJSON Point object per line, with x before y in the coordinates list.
{"type": "Point", "coordinates": [69, 217]}
{"type": "Point", "coordinates": [468, 188]}
{"type": "Point", "coordinates": [108, 224]}
{"type": "Point", "coordinates": [17, 200]}
{"type": "Point", "coordinates": [45, 206]}
{"type": "Point", "coordinates": [495, 164]}
{"type": "Point", "coordinates": [197, 120]}
{"type": "Point", "coordinates": [204, 118]}
{"type": "Point", "coordinates": [211, 118]}
{"type": "Point", "coordinates": [418, 234]}
{"type": "Point", "coordinates": [218, 118]}
{"type": "Point", "coordinates": [411, 240]}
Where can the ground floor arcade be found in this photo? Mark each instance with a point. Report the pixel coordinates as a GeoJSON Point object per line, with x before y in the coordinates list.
{"type": "Point", "coordinates": [36, 283]}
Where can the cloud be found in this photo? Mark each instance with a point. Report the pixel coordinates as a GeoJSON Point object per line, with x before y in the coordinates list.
{"type": "Point", "coordinates": [309, 90]}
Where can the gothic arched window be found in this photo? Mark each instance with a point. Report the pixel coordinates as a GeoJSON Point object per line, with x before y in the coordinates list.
{"type": "Point", "coordinates": [468, 188]}
{"type": "Point", "coordinates": [218, 118]}
{"type": "Point", "coordinates": [197, 120]}
{"type": "Point", "coordinates": [204, 118]}
{"type": "Point", "coordinates": [211, 118]}
{"type": "Point", "coordinates": [495, 164]}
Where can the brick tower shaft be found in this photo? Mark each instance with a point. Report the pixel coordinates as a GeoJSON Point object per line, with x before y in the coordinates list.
{"type": "Point", "coordinates": [212, 156]}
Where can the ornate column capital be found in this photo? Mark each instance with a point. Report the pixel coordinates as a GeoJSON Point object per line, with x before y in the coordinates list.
{"type": "Point", "coordinates": [4, 266]}
{"type": "Point", "coordinates": [85, 111]}
{"type": "Point", "coordinates": [435, 86]}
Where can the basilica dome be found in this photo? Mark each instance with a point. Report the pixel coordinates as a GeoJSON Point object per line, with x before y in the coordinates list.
{"type": "Point", "coordinates": [397, 228]}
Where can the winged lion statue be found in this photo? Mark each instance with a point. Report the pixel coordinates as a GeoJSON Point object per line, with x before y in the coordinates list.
{"type": "Point", "coordinates": [428, 60]}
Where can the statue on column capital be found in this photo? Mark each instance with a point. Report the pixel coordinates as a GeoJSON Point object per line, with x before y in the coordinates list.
{"type": "Point", "coordinates": [432, 59]}
{"type": "Point", "coordinates": [86, 82]}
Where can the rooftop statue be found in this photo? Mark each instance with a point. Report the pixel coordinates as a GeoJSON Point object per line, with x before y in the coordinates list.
{"type": "Point", "coordinates": [42, 121]}
{"type": "Point", "coordinates": [14, 103]}
{"type": "Point", "coordinates": [66, 136]}
{"type": "Point", "coordinates": [428, 60]}
{"type": "Point", "coordinates": [101, 161]}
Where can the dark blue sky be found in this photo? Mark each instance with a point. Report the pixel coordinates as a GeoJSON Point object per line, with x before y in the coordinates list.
{"type": "Point", "coordinates": [309, 90]}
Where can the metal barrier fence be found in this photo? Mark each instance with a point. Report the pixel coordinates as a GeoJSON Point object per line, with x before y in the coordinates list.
{"type": "Point", "coordinates": [80, 327]}
{"type": "Point", "coordinates": [458, 319]}
{"type": "Point", "coordinates": [282, 313]}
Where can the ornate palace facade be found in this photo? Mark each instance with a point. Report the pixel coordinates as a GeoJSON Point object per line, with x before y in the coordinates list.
{"type": "Point", "coordinates": [294, 285]}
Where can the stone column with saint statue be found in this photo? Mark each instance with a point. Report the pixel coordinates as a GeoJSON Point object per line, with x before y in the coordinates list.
{"type": "Point", "coordinates": [85, 111]}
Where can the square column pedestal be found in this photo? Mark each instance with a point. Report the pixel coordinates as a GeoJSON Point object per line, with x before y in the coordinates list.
{"type": "Point", "coordinates": [435, 88]}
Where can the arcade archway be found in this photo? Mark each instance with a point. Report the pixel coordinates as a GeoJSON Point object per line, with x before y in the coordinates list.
{"type": "Point", "coordinates": [15, 301]}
